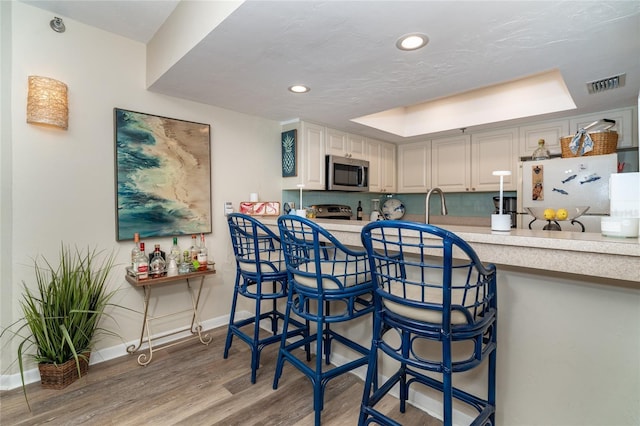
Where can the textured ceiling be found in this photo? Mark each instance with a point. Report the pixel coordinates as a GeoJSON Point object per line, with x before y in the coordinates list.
{"type": "Point", "coordinates": [345, 51]}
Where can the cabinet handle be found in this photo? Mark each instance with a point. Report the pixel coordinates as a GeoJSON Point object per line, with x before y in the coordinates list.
{"type": "Point", "coordinates": [473, 189]}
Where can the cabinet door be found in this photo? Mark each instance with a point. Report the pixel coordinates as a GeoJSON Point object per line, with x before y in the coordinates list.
{"type": "Point", "coordinates": [336, 142]}
{"type": "Point", "coordinates": [382, 166]}
{"type": "Point", "coordinates": [451, 164]}
{"type": "Point", "coordinates": [491, 151]}
{"type": "Point", "coordinates": [414, 167]}
{"type": "Point", "coordinates": [624, 125]}
{"type": "Point", "coordinates": [550, 131]}
{"type": "Point", "coordinates": [388, 167]}
{"type": "Point", "coordinates": [356, 147]}
{"type": "Point", "coordinates": [310, 157]}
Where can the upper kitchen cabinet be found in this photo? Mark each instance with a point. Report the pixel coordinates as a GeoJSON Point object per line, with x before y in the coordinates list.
{"type": "Point", "coordinates": [491, 151]}
{"type": "Point", "coordinates": [451, 163]}
{"type": "Point", "coordinates": [466, 163]}
{"type": "Point", "coordinates": [550, 131]}
{"type": "Point", "coordinates": [414, 167]}
{"type": "Point", "coordinates": [345, 144]}
{"type": "Point", "coordinates": [624, 125]}
{"type": "Point", "coordinates": [382, 166]}
{"type": "Point", "coordinates": [310, 157]}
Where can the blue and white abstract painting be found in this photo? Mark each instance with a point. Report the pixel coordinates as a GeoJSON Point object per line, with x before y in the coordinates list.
{"type": "Point", "coordinates": [163, 176]}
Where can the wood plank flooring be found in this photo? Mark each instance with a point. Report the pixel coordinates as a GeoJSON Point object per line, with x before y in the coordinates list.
{"type": "Point", "coordinates": [191, 384]}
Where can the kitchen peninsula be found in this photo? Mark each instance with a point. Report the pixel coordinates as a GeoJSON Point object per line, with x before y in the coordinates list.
{"type": "Point", "coordinates": [569, 323]}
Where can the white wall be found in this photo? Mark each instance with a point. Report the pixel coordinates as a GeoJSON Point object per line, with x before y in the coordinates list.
{"type": "Point", "coordinates": [59, 185]}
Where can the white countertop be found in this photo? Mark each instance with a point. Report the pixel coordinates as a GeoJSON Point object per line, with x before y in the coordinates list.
{"type": "Point", "coordinates": [582, 253]}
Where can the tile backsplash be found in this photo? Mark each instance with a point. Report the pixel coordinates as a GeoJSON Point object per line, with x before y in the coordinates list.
{"type": "Point", "coordinates": [458, 204]}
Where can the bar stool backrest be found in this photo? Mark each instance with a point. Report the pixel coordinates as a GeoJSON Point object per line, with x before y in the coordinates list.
{"type": "Point", "coordinates": [428, 274]}
{"type": "Point", "coordinates": [257, 249]}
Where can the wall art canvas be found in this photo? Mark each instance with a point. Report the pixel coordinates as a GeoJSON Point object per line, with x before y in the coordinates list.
{"type": "Point", "coordinates": [163, 176]}
{"type": "Point", "coordinates": [289, 154]}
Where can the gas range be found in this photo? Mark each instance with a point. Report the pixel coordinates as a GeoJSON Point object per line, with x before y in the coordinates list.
{"type": "Point", "coordinates": [333, 211]}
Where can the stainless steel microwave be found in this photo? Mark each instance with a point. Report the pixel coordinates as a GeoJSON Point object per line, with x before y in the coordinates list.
{"type": "Point", "coordinates": [346, 174]}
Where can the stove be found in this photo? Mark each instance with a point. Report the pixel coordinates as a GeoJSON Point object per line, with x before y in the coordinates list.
{"type": "Point", "coordinates": [333, 211]}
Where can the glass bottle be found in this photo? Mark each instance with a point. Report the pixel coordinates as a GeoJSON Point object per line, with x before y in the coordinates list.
{"type": "Point", "coordinates": [194, 249]}
{"type": "Point", "coordinates": [135, 250]}
{"type": "Point", "coordinates": [359, 211]}
{"type": "Point", "coordinates": [203, 255]}
{"type": "Point", "coordinates": [185, 265]}
{"type": "Point", "coordinates": [541, 153]}
{"type": "Point", "coordinates": [158, 265]}
{"type": "Point", "coordinates": [142, 264]}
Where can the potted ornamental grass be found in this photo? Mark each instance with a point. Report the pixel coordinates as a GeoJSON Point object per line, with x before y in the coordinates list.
{"type": "Point", "coordinates": [61, 315]}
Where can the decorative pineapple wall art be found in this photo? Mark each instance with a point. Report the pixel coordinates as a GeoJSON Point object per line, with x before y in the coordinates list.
{"type": "Point", "coordinates": [289, 154]}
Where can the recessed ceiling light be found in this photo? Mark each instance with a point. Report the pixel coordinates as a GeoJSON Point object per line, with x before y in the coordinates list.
{"type": "Point", "coordinates": [412, 41]}
{"type": "Point", "coordinates": [299, 88]}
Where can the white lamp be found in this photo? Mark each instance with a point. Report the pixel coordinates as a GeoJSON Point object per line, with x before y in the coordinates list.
{"type": "Point", "coordinates": [301, 212]}
{"type": "Point", "coordinates": [500, 221]}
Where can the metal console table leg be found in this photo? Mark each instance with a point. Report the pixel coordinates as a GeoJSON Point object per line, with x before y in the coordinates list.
{"type": "Point", "coordinates": [195, 327]}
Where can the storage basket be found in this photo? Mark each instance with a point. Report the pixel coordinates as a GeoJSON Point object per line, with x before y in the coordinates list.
{"type": "Point", "coordinates": [59, 376]}
{"type": "Point", "coordinates": [604, 141]}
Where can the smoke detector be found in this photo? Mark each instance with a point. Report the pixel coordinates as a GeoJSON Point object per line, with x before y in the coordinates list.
{"type": "Point", "coordinates": [606, 84]}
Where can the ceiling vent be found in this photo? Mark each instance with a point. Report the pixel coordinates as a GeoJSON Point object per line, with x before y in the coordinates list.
{"type": "Point", "coordinates": [606, 84]}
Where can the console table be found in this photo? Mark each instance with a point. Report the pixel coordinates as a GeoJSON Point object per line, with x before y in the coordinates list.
{"type": "Point", "coordinates": [195, 328]}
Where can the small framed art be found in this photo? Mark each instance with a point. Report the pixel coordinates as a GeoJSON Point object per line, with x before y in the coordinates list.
{"type": "Point", "coordinates": [289, 140]}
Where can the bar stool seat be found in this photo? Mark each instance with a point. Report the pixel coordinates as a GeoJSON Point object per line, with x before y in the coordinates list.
{"type": "Point", "coordinates": [430, 290]}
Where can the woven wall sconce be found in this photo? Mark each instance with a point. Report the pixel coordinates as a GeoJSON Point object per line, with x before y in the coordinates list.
{"type": "Point", "coordinates": [47, 102]}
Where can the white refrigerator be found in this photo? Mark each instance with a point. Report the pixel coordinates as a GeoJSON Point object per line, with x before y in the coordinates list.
{"type": "Point", "coordinates": [567, 183]}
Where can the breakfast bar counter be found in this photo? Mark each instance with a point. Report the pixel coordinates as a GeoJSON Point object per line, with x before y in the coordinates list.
{"type": "Point", "coordinates": [569, 324]}
{"type": "Point", "coordinates": [582, 253]}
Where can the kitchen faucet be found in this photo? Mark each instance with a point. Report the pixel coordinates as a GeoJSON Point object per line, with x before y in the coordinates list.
{"type": "Point", "coordinates": [443, 205]}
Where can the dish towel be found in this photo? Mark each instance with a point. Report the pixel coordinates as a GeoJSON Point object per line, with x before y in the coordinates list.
{"type": "Point", "coordinates": [587, 144]}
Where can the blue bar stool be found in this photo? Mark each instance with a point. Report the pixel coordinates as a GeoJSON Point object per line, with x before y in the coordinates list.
{"type": "Point", "coordinates": [259, 261]}
{"type": "Point", "coordinates": [329, 283]}
{"type": "Point", "coordinates": [430, 288]}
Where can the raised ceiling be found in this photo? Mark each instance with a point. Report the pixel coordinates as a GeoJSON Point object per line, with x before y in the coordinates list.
{"type": "Point", "coordinates": [345, 51]}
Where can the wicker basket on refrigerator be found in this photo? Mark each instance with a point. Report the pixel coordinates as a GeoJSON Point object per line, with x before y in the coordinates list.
{"type": "Point", "coordinates": [605, 141]}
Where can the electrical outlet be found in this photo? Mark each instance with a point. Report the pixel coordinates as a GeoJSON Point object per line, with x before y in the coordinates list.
{"type": "Point", "coordinates": [228, 207]}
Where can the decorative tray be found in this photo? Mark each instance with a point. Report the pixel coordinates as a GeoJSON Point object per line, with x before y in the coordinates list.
{"type": "Point", "coordinates": [393, 208]}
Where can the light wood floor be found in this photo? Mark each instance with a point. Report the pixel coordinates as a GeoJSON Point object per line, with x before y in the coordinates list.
{"type": "Point", "coordinates": [191, 384]}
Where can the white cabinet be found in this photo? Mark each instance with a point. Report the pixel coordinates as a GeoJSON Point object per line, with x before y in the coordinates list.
{"type": "Point", "coordinates": [382, 166]}
{"type": "Point", "coordinates": [624, 125]}
{"type": "Point", "coordinates": [345, 144]}
{"type": "Point", "coordinates": [414, 167]}
{"type": "Point", "coordinates": [310, 157]}
{"type": "Point", "coordinates": [550, 131]}
{"type": "Point", "coordinates": [466, 163]}
{"type": "Point", "coordinates": [491, 151]}
{"type": "Point", "coordinates": [451, 163]}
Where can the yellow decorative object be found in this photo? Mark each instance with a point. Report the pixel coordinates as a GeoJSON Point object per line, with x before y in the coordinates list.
{"type": "Point", "coordinates": [47, 102]}
{"type": "Point", "coordinates": [549, 214]}
{"type": "Point", "coordinates": [562, 214]}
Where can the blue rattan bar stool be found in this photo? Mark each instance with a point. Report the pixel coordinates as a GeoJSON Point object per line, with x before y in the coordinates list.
{"type": "Point", "coordinates": [261, 275]}
{"type": "Point", "coordinates": [430, 289]}
{"type": "Point", "coordinates": [329, 283]}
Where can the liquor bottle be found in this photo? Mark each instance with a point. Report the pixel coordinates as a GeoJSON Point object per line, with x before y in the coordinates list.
{"type": "Point", "coordinates": [194, 249]}
{"type": "Point", "coordinates": [174, 259]}
{"type": "Point", "coordinates": [541, 153]}
{"type": "Point", "coordinates": [142, 264]}
{"type": "Point", "coordinates": [135, 250]}
{"type": "Point", "coordinates": [157, 266]}
{"type": "Point", "coordinates": [203, 255]}
{"type": "Point", "coordinates": [359, 211]}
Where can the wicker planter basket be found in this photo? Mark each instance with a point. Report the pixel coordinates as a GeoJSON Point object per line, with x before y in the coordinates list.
{"type": "Point", "coordinates": [59, 376]}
